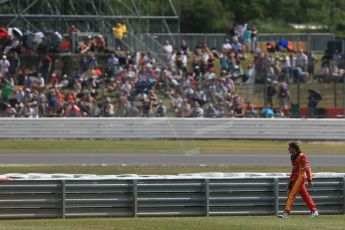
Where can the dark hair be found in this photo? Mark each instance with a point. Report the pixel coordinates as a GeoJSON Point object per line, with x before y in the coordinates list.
{"type": "Point", "coordinates": [295, 145]}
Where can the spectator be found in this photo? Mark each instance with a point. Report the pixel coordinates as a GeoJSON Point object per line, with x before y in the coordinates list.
{"type": "Point", "coordinates": [302, 60]}
{"type": "Point", "coordinates": [337, 58]}
{"type": "Point", "coordinates": [32, 110]}
{"type": "Point", "coordinates": [271, 91]}
{"type": "Point", "coordinates": [41, 83]}
{"type": "Point", "coordinates": [45, 67]}
{"type": "Point", "coordinates": [211, 111]}
{"type": "Point", "coordinates": [249, 75]}
{"type": "Point", "coordinates": [323, 75]}
{"type": "Point", "coordinates": [4, 66]}
{"type": "Point", "coordinates": [247, 39]}
{"type": "Point", "coordinates": [267, 112]}
{"type": "Point", "coordinates": [84, 63]}
{"type": "Point", "coordinates": [73, 29]}
{"type": "Point", "coordinates": [85, 46]}
{"type": "Point", "coordinates": [6, 90]}
{"type": "Point", "coordinates": [120, 33]}
{"type": "Point", "coordinates": [101, 43]}
{"type": "Point", "coordinates": [287, 68]}
{"type": "Point", "coordinates": [226, 47]}
{"type": "Point", "coordinates": [160, 109]}
{"type": "Point", "coordinates": [311, 66]}
{"type": "Point", "coordinates": [250, 110]}
{"type": "Point", "coordinates": [14, 66]}
{"type": "Point", "coordinates": [237, 46]}
{"type": "Point", "coordinates": [299, 75]}
{"type": "Point", "coordinates": [146, 107]}
{"type": "Point", "coordinates": [283, 95]}
{"type": "Point", "coordinates": [237, 108]}
{"type": "Point", "coordinates": [270, 47]}
{"type": "Point", "coordinates": [224, 62]}
{"type": "Point", "coordinates": [108, 108]}
{"type": "Point", "coordinates": [197, 111]}
{"type": "Point", "coordinates": [184, 47]}
{"type": "Point", "coordinates": [167, 51]}
{"type": "Point", "coordinates": [10, 111]}
{"type": "Point", "coordinates": [254, 34]}
{"type": "Point", "coordinates": [313, 99]}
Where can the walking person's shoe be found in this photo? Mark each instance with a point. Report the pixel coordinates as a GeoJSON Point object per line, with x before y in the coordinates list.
{"type": "Point", "coordinates": [282, 214]}
{"type": "Point", "coordinates": [314, 214]}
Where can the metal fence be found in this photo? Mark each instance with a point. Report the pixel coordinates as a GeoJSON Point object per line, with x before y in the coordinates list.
{"type": "Point", "coordinates": [316, 42]}
{"type": "Point", "coordinates": [172, 128]}
{"type": "Point", "coordinates": [161, 197]}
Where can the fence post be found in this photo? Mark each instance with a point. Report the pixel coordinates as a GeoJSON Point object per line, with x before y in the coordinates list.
{"type": "Point", "coordinates": [207, 197]}
{"type": "Point", "coordinates": [276, 195]}
{"type": "Point", "coordinates": [344, 195]}
{"type": "Point", "coordinates": [335, 91]}
{"type": "Point", "coordinates": [309, 46]}
{"type": "Point", "coordinates": [344, 95]}
{"type": "Point", "coordinates": [74, 42]}
{"type": "Point", "coordinates": [63, 199]}
{"type": "Point", "coordinates": [135, 198]}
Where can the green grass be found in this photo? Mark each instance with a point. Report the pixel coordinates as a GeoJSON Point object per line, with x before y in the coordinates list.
{"type": "Point", "coordinates": [164, 146]}
{"type": "Point", "coordinates": [326, 222]}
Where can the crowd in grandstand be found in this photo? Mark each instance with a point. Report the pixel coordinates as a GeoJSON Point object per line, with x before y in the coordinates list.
{"type": "Point", "coordinates": [127, 84]}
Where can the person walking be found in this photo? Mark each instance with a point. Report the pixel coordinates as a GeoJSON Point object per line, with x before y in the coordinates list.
{"type": "Point", "coordinates": [300, 172]}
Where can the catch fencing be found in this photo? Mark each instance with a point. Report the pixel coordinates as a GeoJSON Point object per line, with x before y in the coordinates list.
{"type": "Point", "coordinates": [316, 42]}
{"type": "Point", "coordinates": [161, 197]}
{"type": "Point", "coordinates": [172, 128]}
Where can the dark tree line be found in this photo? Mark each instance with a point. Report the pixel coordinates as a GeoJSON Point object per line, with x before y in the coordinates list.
{"type": "Point", "coordinates": [209, 16]}
{"type": "Point", "coordinates": [267, 15]}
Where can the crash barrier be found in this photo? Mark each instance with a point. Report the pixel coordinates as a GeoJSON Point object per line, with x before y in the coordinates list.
{"type": "Point", "coordinates": [188, 195]}
{"type": "Point", "coordinates": [173, 128]}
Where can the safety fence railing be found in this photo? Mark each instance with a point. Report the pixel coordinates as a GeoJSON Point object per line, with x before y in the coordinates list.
{"type": "Point", "coordinates": [173, 128]}
{"type": "Point", "coordinates": [316, 42]}
{"type": "Point", "coordinates": [162, 197]}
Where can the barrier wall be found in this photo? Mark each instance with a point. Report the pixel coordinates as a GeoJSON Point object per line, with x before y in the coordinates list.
{"type": "Point", "coordinates": [134, 197]}
{"type": "Point", "coordinates": [173, 128]}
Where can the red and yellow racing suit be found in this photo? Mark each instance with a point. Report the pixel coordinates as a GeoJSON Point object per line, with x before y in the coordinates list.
{"type": "Point", "coordinates": [300, 172]}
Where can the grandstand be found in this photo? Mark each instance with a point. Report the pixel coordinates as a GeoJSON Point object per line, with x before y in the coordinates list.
{"type": "Point", "coordinates": [94, 16]}
{"type": "Point", "coordinates": [63, 43]}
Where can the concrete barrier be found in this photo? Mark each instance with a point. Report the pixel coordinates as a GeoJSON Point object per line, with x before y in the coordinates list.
{"type": "Point", "coordinates": [172, 128]}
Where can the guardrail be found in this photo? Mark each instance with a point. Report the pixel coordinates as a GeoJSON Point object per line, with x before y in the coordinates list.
{"type": "Point", "coordinates": [172, 128]}
{"type": "Point", "coordinates": [161, 197]}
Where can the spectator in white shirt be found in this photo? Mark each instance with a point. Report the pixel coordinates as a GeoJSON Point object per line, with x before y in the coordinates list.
{"type": "Point", "coordinates": [302, 60]}
{"type": "Point", "coordinates": [226, 46]}
{"type": "Point", "coordinates": [4, 65]}
{"type": "Point", "coordinates": [167, 48]}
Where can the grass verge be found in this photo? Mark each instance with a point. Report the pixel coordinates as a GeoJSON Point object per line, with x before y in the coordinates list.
{"type": "Point", "coordinates": [164, 146]}
{"type": "Point", "coordinates": [190, 223]}
{"type": "Point", "coordinates": [149, 170]}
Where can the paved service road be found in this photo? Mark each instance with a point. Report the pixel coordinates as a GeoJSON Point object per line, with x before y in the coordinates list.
{"type": "Point", "coordinates": [165, 159]}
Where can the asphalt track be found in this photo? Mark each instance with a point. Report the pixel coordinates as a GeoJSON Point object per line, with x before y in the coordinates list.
{"type": "Point", "coordinates": [256, 159]}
